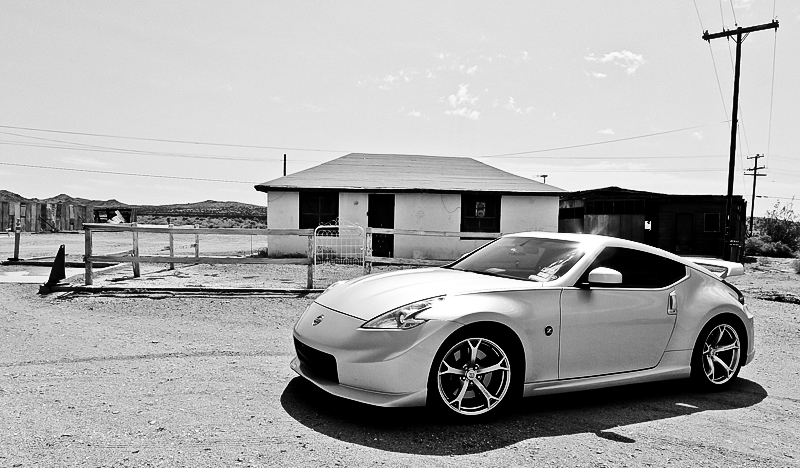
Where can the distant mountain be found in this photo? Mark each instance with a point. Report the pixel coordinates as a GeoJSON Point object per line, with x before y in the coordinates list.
{"type": "Point", "coordinates": [208, 207]}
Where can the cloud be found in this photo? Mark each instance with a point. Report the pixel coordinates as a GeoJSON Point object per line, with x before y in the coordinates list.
{"type": "Point", "coordinates": [312, 107]}
{"type": "Point", "coordinates": [742, 4]}
{"type": "Point", "coordinates": [464, 112]}
{"type": "Point", "coordinates": [599, 75]}
{"type": "Point", "coordinates": [462, 96]}
{"type": "Point", "coordinates": [468, 71]}
{"type": "Point", "coordinates": [608, 131]}
{"type": "Point", "coordinates": [513, 107]}
{"type": "Point", "coordinates": [698, 135]}
{"type": "Point", "coordinates": [389, 81]}
{"type": "Point", "coordinates": [625, 59]}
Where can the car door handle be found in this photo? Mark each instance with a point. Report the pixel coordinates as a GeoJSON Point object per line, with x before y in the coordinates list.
{"type": "Point", "coordinates": [672, 306]}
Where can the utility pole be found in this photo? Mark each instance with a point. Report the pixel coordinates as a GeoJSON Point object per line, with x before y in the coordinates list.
{"type": "Point", "coordinates": [284, 164]}
{"type": "Point", "coordinates": [755, 175]}
{"type": "Point", "coordinates": [740, 35]}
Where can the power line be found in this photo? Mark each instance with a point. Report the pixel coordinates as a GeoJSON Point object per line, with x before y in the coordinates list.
{"type": "Point", "coordinates": [125, 173]}
{"type": "Point", "coordinates": [596, 143]}
{"type": "Point", "coordinates": [140, 153]}
{"type": "Point", "coordinates": [187, 142]}
{"type": "Point", "coordinates": [133, 151]}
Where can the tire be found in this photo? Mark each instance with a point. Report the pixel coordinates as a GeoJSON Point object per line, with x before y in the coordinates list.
{"type": "Point", "coordinates": [717, 356]}
{"type": "Point", "coordinates": [475, 374]}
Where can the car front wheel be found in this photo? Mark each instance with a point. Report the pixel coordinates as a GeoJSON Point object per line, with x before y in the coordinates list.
{"type": "Point", "coordinates": [473, 376]}
{"type": "Point", "coordinates": [717, 355]}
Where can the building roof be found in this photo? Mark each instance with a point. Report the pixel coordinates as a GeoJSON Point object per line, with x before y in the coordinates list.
{"type": "Point", "coordinates": [407, 173]}
{"type": "Point", "coordinates": [618, 193]}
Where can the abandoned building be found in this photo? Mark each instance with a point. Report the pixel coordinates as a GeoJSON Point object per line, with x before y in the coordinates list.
{"type": "Point", "coordinates": [682, 224]}
{"type": "Point", "coordinates": [425, 193]}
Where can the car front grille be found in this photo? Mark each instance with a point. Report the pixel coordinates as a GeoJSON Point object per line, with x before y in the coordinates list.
{"type": "Point", "coordinates": [319, 363]}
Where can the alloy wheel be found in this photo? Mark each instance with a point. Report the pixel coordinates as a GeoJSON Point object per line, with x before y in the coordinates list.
{"type": "Point", "coordinates": [721, 354]}
{"type": "Point", "coordinates": [474, 376]}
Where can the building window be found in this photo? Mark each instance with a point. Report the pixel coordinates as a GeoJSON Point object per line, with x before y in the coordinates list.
{"type": "Point", "coordinates": [318, 208]}
{"type": "Point", "coordinates": [480, 212]}
{"type": "Point", "coordinates": [711, 222]}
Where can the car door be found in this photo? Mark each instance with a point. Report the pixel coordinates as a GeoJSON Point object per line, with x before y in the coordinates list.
{"type": "Point", "coordinates": [607, 329]}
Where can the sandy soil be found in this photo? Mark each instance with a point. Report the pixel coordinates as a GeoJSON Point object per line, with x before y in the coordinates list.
{"type": "Point", "coordinates": [145, 379]}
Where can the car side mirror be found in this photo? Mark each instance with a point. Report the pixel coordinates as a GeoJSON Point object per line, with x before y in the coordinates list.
{"type": "Point", "coordinates": [603, 275]}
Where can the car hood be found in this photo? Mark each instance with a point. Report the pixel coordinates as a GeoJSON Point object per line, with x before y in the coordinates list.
{"type": "Point", "coordinates": [372, 295]}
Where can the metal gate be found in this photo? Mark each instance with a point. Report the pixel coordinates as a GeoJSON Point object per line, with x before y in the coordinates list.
{"type": "Point", "coordinates": [339, 252]}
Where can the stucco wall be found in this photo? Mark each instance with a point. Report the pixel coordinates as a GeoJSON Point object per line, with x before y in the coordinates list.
{"type": "Point", "coordinates": [528, 213]}
{"type": "Point", "coordinates": [415, 211]}
{"type": "Point", "coordinates": [283, 212]}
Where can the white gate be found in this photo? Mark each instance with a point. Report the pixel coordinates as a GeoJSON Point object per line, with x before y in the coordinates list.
{"type": "Point", "coordinates": [339, 252]}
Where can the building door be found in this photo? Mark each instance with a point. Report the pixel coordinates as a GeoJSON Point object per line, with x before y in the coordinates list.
{"type": "Point", "coordinates": [380, 214]}
{"type": "Point", "coordinates": [684, 229]}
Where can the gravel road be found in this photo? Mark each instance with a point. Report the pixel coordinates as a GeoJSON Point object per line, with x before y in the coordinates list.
{"type": "Point", "coordinates": [180, 380]}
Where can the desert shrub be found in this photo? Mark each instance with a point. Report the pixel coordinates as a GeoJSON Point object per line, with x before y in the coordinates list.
{"type": "Point", "coordinates": [764, 247]}
{"type": "Point", "coordinates": [781, 224]}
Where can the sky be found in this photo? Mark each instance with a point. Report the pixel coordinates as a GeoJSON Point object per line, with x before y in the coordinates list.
{"type": "Point", "coordinates": [153, 102]}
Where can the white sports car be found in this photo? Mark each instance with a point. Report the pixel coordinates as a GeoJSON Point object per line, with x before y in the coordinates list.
{"type": "Point", "coordinates": [526, 314]}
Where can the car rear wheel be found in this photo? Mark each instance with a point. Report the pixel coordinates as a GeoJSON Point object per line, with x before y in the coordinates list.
{"type": "Point", "coordinates": [473, 376]}
{"type": "Point", "coordinates": [717, 356]}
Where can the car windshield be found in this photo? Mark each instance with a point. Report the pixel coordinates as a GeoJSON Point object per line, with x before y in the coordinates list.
{"type": "Point", "coordinates": [529, 258]}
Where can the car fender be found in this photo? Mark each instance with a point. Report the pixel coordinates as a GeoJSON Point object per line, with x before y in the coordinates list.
{"type": "Point", "coordinates": [533, 315]}
{"type": "Point", "coordinates": [702, 299]}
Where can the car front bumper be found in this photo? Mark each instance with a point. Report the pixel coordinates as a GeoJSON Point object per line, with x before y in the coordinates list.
{"type": "Point", "coordinates": [377, 367]}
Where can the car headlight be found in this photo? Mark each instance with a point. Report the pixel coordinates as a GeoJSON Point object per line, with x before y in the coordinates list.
{"type": "Point", "coordinates": [404, 317]}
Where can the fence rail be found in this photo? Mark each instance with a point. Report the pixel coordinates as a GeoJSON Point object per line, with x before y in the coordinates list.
{"type": "Point", "coordinates": [135, 259]}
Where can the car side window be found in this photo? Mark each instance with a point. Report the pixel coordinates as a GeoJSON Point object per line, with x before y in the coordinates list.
{"type": "Point", "coordinates": [639, 269]}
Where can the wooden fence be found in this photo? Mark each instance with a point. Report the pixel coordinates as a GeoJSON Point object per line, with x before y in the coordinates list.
{"type": "Point", "coordinates": [135, 258]}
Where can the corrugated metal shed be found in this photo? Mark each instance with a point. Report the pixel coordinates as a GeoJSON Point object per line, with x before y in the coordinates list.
{"type": "Point", "coordinates": [407, 173]}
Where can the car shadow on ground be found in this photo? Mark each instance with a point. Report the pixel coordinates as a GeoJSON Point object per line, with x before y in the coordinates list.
{"type": "Point", "coordinates": [420, 431]}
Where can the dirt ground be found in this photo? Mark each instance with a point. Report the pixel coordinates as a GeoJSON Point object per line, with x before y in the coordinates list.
{"type": "Point", "coordinates": [202, 380]}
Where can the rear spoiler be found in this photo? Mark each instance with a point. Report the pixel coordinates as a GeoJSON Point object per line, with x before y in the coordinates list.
{"type": "Point", "coordinates": [722, 268]}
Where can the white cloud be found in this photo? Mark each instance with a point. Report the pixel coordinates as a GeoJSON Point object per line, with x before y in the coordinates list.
{"type": "Point", "coordinates": [599, 75]}
{"type": "Point", "coordinates": [312, 107]}
{"type": "Point", "coordinates": [469, 71]}
{"type": "Point", "coordinates": [742, 4]}
{"type": "Point", "coordinates": [698, 135]}
{"type": "Point", "coordinates": [388, 81]}
{"type": "Point", "coordinates": [525, 55]}
{"type": "Point", "coordinates": [464, 112]}
{"type": "Point", "coordinates": [625, 59]}
{"type": "Point", "coordinates": [462, 96]}
{"type": "Point", "coordinates": [513, 107]}
{"type": "Point", "coordinates": [608, 131]}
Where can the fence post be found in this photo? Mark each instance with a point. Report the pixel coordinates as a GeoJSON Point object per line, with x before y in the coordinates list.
{"type": "Point", "coordinates": [171, 246]}
{"type": "Point", "coordinates": [196, 243]}
{"type": "Point", "coordinates": [310, 280]}
{"type": "Point", "coordinates": [87, 277]}
{"type": "Point", "coordinates": [135, 262]}
{"type": "Point", "coordinates": [368, 251]}
{"type": "Point", "coordinates": [16, 242]}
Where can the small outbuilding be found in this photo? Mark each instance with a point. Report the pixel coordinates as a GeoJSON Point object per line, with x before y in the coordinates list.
{"type": "Point", "coordinates": [424, 193]}
{"type": "Point", "coordinates": [682, 224]}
